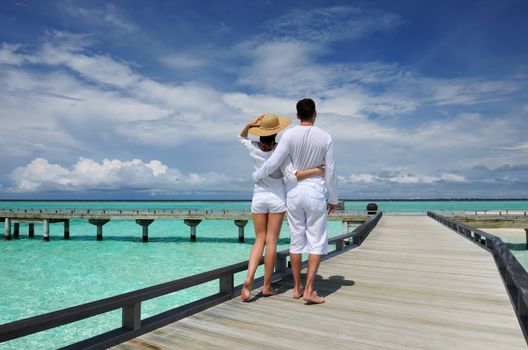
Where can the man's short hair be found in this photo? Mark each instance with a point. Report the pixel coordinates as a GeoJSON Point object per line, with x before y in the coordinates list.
{"type": "Point", "coordinates": [306, 109]}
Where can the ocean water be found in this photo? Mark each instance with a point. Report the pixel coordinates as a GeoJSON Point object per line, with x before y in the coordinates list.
{"type": "Point", "coordinates": [38, 277]}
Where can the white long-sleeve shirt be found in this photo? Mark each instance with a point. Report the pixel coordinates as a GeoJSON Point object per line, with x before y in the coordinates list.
{"type": "Point", "coordinates": [308, 147]}
{"type": "Point", "coordinates": [277, 179]}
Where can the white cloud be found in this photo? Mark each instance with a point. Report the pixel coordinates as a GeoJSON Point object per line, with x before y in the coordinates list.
{"type": "Point", "coordinates": [296, 68]}
{"type": "Point", "coordinates": [87, 175]}
{"type": "Point", "coordinates": [108, 16]}
{"type": "Point", "coordinates": [9, 55]}
{"type": "Point", "coordinates": [401, 177]}
{"type": "Point", "coordinates": [183, 62]}
{"type": "Point", "coordinates": [355, 178]}
{"type": "Point", "coordinates": [284, 68]}
{"type": "Point", "coordinates": [64, 98]}
{"type": "Point", "coordinates": [331, 23]}
{"type": "Point", "coordinates": [464, 91]}
{"type": "Point", "coordinates": [253, 105]}
{"type": "Point", "coordinates": [110, 92]}
{"type": "Point", "coordinates": [521, 147]}
{"type": "Point", "coordinates": [98, 68]}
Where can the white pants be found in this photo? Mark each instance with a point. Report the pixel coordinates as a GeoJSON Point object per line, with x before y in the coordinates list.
{"type": "Point", "coordinates": [307, 221]}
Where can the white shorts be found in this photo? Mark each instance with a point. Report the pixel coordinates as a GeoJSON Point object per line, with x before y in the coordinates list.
{"type": "Point", "coordinates": [268, 202]}
{"type": "Point", "coordinates": [307, 221]}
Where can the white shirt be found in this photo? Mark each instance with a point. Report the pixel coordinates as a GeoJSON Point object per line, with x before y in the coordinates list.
{"type": "Point", "coordinates": [276, 179]}
{"type": "Point", "coordinates": [307, 147]}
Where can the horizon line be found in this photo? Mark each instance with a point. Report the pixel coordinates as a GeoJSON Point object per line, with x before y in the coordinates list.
{"type": "Point", "coordinates": [246, 200]}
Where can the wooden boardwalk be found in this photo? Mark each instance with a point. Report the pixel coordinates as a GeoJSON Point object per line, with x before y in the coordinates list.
{"type": "Point", "coordinates": [413, 284]}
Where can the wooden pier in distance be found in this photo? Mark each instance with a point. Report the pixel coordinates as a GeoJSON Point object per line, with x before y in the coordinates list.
{"type": "Point", "coordinates": [493, 220]}
{"type": "Point", "coordinates": [413, 284]}
{"type": "Point", "coordinates": [99, 217]}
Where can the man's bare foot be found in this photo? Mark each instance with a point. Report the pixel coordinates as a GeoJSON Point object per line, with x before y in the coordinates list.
{"type": "Point", "coordinates": [246, 293]}
{"type": "Point", "coordinates": [298, 294]}
{"type": "Point", "coordinates": [313, 298]}
{"type": "Point", "coordinates": [269, 292]}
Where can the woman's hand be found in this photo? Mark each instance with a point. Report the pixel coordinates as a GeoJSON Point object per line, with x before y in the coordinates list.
{"type": "Point", "coordinates": [320, 170]}
{"type": "Point", "coordinates": [255, 122]}
{"type": "Point", "coordinates": [252, 123]}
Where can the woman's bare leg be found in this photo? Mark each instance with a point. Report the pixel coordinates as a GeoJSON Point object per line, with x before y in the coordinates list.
{"type": "Point", "coordinates": [260, 221]}
{"type": "Point", "coordinates": [275, 221]}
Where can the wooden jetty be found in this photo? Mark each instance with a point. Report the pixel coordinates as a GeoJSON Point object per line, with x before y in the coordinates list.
{"type": "Point", "coordinates": [99, 217]}
{"type": "Point", "coordinates": [395, 282]}
{"type": "Point", "coordinates": [493, 220]}
{"type": "Point", "coordinates": [413, 284]}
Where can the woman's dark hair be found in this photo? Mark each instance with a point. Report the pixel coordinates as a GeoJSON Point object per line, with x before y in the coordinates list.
{"type": "Point", "coordinates": [267, 140]}
{"type": "Point", "coordinates": [306, 109]}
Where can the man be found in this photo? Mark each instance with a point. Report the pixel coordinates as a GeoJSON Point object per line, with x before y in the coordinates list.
{"type": "Point", "coordinates": [308, 146]}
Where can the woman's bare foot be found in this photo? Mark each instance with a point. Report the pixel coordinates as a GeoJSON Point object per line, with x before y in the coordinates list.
{"type": "Point", "coordinates": [297, 294]}
{"type": "Point", "coordinates": [313, 298]}
{"type": "Point", "coordinates": [246, 292]}
{"type": "Point", "coordinates": [267, 292]}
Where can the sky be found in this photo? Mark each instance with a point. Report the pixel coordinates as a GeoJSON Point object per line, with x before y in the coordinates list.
{"type": "Point", "coordinates": [145, 99]}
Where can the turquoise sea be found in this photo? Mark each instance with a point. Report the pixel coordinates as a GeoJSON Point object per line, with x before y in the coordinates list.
{"type": "Point", "coordinates": [38, 277]}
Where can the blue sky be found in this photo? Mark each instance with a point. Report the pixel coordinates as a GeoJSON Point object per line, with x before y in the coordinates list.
{"type": "Point", "coordinates": [145, 99]}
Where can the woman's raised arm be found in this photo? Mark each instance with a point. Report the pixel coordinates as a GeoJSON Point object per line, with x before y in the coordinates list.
{"type": "Point", "coordinates": [250, 124]}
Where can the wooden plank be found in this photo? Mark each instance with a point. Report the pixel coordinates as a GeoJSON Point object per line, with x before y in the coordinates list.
{"type": "Point", "coordinates": [413, 284]}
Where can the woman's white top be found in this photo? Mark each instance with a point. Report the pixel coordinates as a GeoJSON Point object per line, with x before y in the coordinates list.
{"type": "Point", "coordinates": [277, 179]}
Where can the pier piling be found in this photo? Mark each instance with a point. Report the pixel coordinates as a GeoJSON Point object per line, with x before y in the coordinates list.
{"type": "Point", "coordinates": [145, 224]}
{"type": "Point", "coordinates": [31, 230]}
{"type": "Point", "coordinates": [7, 229]}
{"type": "Point", "coordinates": [241, 224]}
{"type": "Point", "coordinates": [99, 223]}
{"type": "Point", "coordinates": [192, 224]}
{"type": "Point", "coordinates": [66, 229]}
{"type": "Point", "coordinates": [16, 230]}
{"type": "Point", "coordinates": [45, 230]}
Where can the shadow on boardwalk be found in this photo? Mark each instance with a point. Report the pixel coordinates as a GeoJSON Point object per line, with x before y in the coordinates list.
{"type": "Point", "coordinates": [323, 286]}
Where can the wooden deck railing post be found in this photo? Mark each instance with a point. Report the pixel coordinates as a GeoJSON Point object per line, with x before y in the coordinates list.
{"type": "Point", "coordinates": [280, 263]}
{"type": "Point", "coordinates": [132, 316]}
{"type": "Point", "coordinates": [489, 244]}
{"type": "Point", "coordinates": [227, 284]}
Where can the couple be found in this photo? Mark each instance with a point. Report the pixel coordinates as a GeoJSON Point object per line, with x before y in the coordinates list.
{"type": "Point", "coordinates": [297, 161]}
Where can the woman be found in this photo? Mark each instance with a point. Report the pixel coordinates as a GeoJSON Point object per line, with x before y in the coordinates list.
{"type": "Point", "coordinates": [268, 205]}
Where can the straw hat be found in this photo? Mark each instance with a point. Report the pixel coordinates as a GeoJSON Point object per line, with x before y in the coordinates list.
{"type": "Point", "coordinates": [270, 124]}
